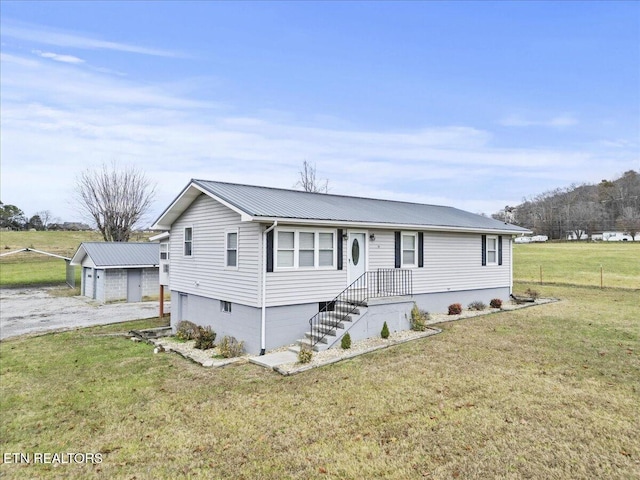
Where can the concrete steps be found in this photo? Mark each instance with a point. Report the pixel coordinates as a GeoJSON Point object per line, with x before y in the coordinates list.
{"type": "Point", "coordinates": [331, 326]}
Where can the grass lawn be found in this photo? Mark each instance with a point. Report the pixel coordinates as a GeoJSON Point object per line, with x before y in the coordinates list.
{"type": "Point", "coordinates": [545, 392]}
{"type": "Point", "coordinates": [578, 263]}
{"type": "Point", "coordinates": [29, 268]}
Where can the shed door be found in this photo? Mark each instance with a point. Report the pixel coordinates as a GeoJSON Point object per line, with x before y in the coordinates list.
{"type": "Point", "coordinates": [134, 285]}
{"type": "Point", "coordinates": [88, 282]}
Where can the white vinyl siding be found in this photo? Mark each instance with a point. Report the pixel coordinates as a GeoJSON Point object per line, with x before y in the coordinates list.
{"type": "Point", "coordinates": [206, 273]}
{"type": "Point", "coordinates": [451, 262]}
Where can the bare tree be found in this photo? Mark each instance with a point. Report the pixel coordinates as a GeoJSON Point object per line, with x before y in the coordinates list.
{"type": "Point", "coordinates": [629, 221]}
{"type": "Point", "coordinates": [116, 200]}
{"type": "Point", "coordinates": [308, 181]}
{"type": "Point", "coordinates": [46, 217]}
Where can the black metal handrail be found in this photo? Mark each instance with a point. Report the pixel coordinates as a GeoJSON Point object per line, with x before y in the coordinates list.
{"type": "Point", "coordinates": [384, 282]}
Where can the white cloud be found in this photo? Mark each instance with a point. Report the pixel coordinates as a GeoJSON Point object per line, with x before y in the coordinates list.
{"type": "Point", "coordinates": [57, 121]}
{"type": "Point", "coordinates": [43, 35]}
{"type": "Point", "coordinates": [558, 121]}
{"type": "Point", "coordinates": [58, 57]}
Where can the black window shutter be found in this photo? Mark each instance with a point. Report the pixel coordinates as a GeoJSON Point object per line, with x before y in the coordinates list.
{"type": "Point", "coordinates": [398, 250]}
{"type": "Point", "coordinates": [500, 250]}
{"type": "Point", "coordinates": [484, 250]}
{"type": "Point", "coordinates": [420, 249]}
{"type": "Point", "coordinates": [340, 247]}
{"type": "Point", "coordinates": [270, 251]}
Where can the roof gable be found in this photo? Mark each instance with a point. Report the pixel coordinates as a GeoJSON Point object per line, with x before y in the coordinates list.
{"type": "Point", "coordinates": [256, 203]}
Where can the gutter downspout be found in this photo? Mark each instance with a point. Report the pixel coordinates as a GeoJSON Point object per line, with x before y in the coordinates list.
{"type": "Point", "coordinates": [263, 326]}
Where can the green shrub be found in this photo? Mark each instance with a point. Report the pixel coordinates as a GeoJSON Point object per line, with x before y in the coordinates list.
{"type": "Point", "coordinates": [229, 347]}
{"type": "Point", "coordinates": [187, 330]}
{"type": "Point", "coordinates": [419, 319]}
{"type": "Point", "coordinates": [477, 305]}
{"type": "Point", "coordinates": [205, 338]}
{"type": "Point", "coordinates": [385, 331]}
{"type": "Point", "coordinates": [455, 309]}
{"type": "Point", "coordinates": [495, 303]}
{"type": "Point", "coordinates": [346, 341]}
{"type": "Point", "coordinates": [305, 354]}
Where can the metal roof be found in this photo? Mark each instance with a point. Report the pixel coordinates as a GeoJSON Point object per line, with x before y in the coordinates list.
{"type": "Point", "coordinates": [292, 204]}
{"type": "Point", "coordinates": [118, 254]}
{"type": "Point", "coordinates": [256, 203]}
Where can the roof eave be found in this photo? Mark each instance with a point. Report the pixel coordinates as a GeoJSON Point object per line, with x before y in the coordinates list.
{"type": "Point", "coordinates": [401, 226]}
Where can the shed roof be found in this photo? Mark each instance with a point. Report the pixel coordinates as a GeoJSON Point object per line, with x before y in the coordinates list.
{"type": "Point", "coordinates": [266, 204]}
{"type": "Point", "coordinates": [118, 254]}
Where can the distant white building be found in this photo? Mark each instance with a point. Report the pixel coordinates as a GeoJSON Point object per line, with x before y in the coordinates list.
{"type": "Point", "coordinates": [531, 239]}
{"type": "Point", "coordinates": [619, 237]}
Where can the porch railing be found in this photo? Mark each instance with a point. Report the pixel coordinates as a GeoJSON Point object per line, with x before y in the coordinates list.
{"type": "Point", "coordinates": [384, 282]}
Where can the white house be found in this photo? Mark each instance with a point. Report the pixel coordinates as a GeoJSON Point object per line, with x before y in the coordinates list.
{"type": "Point", "coordinates": [270, 266]}
{"type": "Point", "coordinates": [114, 271]}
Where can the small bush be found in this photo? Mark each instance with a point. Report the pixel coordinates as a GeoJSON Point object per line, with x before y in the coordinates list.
{"type": "Point", "coordinates": [187, 330]}
{"type": "Point", "coordinates": [205, 338]}
{"type": "Point", "coordinates": [385, 331]}
{"type": "Point", "coordinates": [419, 319]}
{"type": "Point", "coordinates": [346, 341]}
{"type": "Point", "coordinates": [495, 303]}
{"type": "Point", "coordinates": [477, 305]}
{"type": "Point", "coordinates": [229, 347]}
{"type": "Point", "coordinates": [305, 354]}
{"type": "Point", "coordinates": [455, 309]}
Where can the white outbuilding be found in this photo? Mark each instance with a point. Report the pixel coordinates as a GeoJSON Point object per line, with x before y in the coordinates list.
{"type": "Point", "coordinates": [118, 271]}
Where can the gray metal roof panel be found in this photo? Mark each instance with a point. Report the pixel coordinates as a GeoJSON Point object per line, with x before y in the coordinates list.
{"type": "Point", "coordinates": [107, 254]}
{"type": "Point", "coordinates": [280, 203]}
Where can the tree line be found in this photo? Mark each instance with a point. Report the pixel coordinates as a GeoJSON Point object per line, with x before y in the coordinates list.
{"type": "Point", "coordinates": [581, 210]}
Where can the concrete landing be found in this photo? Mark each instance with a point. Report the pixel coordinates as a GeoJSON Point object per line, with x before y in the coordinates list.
{"type": "Point", "coordinates": [272, 360]}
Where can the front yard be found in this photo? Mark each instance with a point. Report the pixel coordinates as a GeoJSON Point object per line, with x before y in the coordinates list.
{"type": "Point", "coordinates": [544, 392]}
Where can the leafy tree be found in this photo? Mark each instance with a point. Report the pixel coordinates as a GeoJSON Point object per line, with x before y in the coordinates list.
{"type": "Point", "coordinates": [12, 217]}
{"type": "Point", "coordinates": [115, 200]}
{"type": "Point", "coordinates": [35, 222]}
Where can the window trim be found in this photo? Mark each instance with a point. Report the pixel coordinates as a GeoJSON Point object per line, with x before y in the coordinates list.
{"type": "Point", "coordinates": [491, 238]}
{"type": "Point", "coordinates": [185, 241]}
{"type": "Point", "coordinates": [296, 249]}
{"type": "Point", "coordinates": [415, 250]}
{"type": "Point", "coordinates": [227, 232]}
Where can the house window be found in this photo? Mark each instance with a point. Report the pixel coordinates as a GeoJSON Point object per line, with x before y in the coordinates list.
{"type": "Point", "coordinates": [286, 249]}
{"type": "Point", "coordinates": [225, 307]}
{"type": "Point", "coordinates": [409, 248]}
{"type": "Point", "coordinates": [231, 249]}
{"type": "Point", "coordinates": [305, 249]}
{"type": "Point", "coordinates": [325, 249]}
{"type": "Point", "coordinates": [188, 241]}
{"type": "Point", "coordinates": [492, 250]}
{"type": "Point", "coordinates": [164, 251]}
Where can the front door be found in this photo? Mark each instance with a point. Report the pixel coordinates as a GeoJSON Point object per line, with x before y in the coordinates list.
{"type": "Point", "coordinates": [356, 255]}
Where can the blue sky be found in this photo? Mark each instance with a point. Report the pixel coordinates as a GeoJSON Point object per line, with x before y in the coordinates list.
{"type": "Point", "coordinates": [469, 104]}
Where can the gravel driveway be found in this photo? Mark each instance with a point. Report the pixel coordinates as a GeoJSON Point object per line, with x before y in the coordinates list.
{"type": "Point", "coordinates": [35, 310]}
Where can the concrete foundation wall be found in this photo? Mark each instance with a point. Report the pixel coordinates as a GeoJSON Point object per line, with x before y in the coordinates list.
{"type": "Point", "coordinates": [439, 302]}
